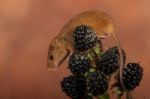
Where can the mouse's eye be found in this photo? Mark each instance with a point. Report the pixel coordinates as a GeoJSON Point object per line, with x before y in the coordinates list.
{"type": "Point", "coordinates": [51, 57]}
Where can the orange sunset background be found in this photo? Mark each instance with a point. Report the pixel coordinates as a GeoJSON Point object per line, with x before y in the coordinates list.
{"type": "Point", "coordinates": [28, 26]}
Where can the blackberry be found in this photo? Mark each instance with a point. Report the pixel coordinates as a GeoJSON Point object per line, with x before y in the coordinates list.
{"type": "Point", "coordinates": [74, 86]}
{"type": "Point", "coordinates": [79, 63]}
{"type": "Point", "coordinates": [132, 75]}
{"type": "Point", "coordinates": [97, 83]}
{"type": "Point", "coordinates": [109, 61]}
{"type": "Point", "coordinates": [84, 37]}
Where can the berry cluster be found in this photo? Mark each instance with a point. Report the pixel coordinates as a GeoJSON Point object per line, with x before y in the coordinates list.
{"type": "Point", "coordinates": [109, 62]}
{"type": "Point", "coordinates": [74, 86]}
{"type": "Point", "coordinates": [97, 83]}
{"type": "Point", "coordinates": [132, 75]}
{"type": "Point", "coordinates": [92, 68]}
{"type": "Point", "coordinates": [79, 63]}
{"type": "Point", "coordinates": [84, 37]}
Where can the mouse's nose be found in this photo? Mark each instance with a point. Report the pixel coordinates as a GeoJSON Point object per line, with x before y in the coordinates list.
{"type": "Point", "coordinates": [52, 65]}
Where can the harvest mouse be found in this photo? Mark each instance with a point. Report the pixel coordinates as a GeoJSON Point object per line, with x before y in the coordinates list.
{"type": "Point", "coordinates": [62, 45]}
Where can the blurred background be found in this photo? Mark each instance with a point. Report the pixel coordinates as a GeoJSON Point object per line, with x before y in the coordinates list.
{"type": "Point", "coordinates": [28, 26]}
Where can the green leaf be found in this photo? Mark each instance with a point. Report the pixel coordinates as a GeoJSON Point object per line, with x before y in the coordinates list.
{"type": "Point", "coordinates": [90, 56]}
{"type": "Point", "coordinates": [104, 96]}
{"type": "Point", "coordinates": [92, 70]}
{"type": "Point", "coordinates": [97, 48]}
{"type": "Point", "coordinates": [118, 92]}
{"type": "Point", "coordinates": [94, 52]}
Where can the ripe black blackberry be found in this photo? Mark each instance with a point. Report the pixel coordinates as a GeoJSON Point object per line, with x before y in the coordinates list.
{"type": "Point", "coordinates": [84, 38]}
{"type": "Point", "coordinates": [79, 63]}
{"type": "Point", "coordinates": [132, 75]}
{"type": "Point", "coordinates": [74, 86]}
{"type": "Point", "coordinates": [97, 83]}
{"type": "Point", "coordinates": [109, 61]}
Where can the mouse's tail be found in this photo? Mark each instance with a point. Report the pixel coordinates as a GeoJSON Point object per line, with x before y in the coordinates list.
{"type": "Point", "coordinates": [128, 95]}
